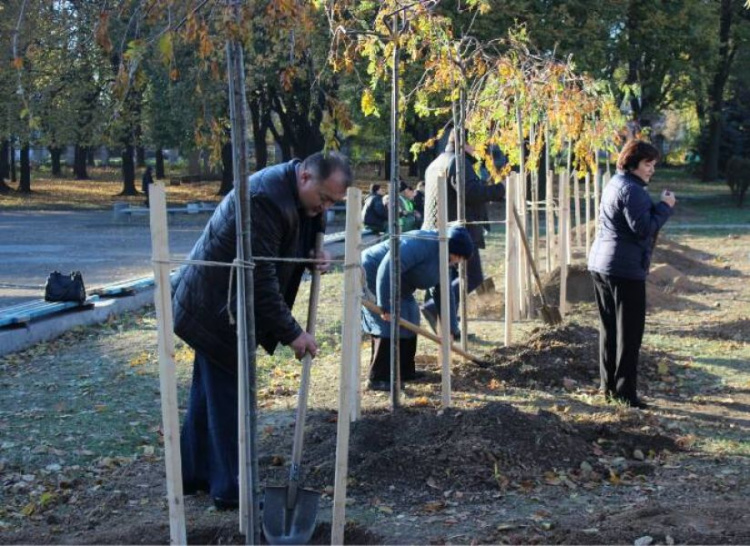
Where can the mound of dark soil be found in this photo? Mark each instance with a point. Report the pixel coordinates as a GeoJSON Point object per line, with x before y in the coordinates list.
{"type": "Point", "coordinates": [418, 450]}
{"type": "Point", "coordinates": [683, 257]}
{"type": "Point", "coordinates": [566, 356]}
{"type": "Point", "coordinates": [580, 285]}
{"type": "Point", "coordinates": [544, 360]}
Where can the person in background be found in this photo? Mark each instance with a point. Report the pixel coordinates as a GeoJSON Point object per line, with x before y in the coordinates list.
{"type": "Point", "coordinates": [374, 213]}
{"type": "Point", "coordinates": [289, 202]}
{"type": "Point", "coordinates": [420, 269]}
{"type": "Point", "coordinates": [409, 219]}
{"type": "Point", "coordinates": [477, 195]}
{"type": "Point", "coordinates": [619, 262]}
{"type": "Point", "coordinates": [146, 181]}
{"type": "Point", "coordinates": [419, 203]}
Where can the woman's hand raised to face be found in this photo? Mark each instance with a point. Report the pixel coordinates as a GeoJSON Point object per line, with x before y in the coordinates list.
{"type": "Point", "coordinates": [669, 198]}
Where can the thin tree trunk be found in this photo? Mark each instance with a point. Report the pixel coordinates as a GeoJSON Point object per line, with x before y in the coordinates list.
{"type": "Point", "coordinates": [4, 166]}
{"type": "Point", "coordinates": [55, 153]}
{"type": "Point", "coordinates": [13, 176]}
{"type": "Point", "coordinates": [140, 156]}
{"type": "Point", "coordinates": [24, 185]}
{"type": "Point", "coordinates": [259, 135]}
{"type": "Point", "coordinates": [159, 163]}
{"type": "Point", "coordinates": [4, 162]}
{"type": "Point", "coordinates": [716, 93]}
{"type": "Point", "coordinates": [79, 163]}
{"type": "Point", "coordinates": [227, 172]}
{"type": "Point", "coordinates": [128, 171]}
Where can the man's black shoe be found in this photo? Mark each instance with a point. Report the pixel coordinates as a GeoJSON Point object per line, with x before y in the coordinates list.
{"type": "Point", "coordinates": [431, 319]}
{"type": "Point", "coordinates": [226, 504]}
{"type": "Point", "coordinates": [416, 377]}
{"type": "Point", "coordinates": [637, 403]}
{"type": "Point", "coordinates": [384, 386]}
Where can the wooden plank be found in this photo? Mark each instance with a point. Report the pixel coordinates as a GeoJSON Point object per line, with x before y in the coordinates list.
{"type": "Point", "coordinates": [351, 328]}
{"type": "Point", "coordinates": [445, 287]}
{"type": "Point", "coordinates": [167, 376]}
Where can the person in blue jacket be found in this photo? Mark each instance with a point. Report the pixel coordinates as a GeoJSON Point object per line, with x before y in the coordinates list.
{"type": "Point", "coordinates": [420, 269]}
{"type": "Point", "coordinates": [619, 261]}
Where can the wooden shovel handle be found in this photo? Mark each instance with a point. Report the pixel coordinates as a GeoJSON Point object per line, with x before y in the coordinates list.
{"type": "Point", "coordinates": [422, 332]}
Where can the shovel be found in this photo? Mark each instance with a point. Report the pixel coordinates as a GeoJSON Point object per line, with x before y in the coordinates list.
{"type": "Point", "coordinates": [290, 512]}
{"type": "Point", "coordinates": [550, 314]}
{"type": "Point", "coordinates": [425, 333]}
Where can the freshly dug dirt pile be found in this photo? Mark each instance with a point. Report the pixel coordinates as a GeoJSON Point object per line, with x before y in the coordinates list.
{"type": "Point", "coordinates": [566, 356]}
{"type": "Point", "coordinates": [580, 285]}
{"type": "Point", "coordinates": [680, 256]}
{"type": "Point", "coordinates": [421, 450]}
{"type": "Point", "coordinates": [549, 356]}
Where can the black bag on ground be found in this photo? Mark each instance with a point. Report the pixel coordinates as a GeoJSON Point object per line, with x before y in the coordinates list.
{"type": "Point", "coordinates": [61, 287]}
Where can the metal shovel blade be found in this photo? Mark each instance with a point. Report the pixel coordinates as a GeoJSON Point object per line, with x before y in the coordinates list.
{"type": "Point", "coordinates": [282, 525]}
{"type": "Point", "coordinates": [551, 315]}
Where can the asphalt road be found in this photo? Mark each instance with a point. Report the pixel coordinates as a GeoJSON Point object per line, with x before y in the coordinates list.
{"type": "Point", "coordinates": [32, 244]}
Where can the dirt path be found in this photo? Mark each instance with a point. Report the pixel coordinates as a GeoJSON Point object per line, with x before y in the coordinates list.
{"type": "Point", "coordinates": [528, 454]}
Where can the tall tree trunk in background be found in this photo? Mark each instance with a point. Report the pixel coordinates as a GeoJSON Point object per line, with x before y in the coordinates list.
{"type": "Point", "coordinates": [259, 134]}
{"type": "Point", "coordinates": [128, 171]}
{"type": "Point", "coordinates": [140, 156]}
{"type": "Point", "coordinates": [24, 185]}
{"type": "Point", "coordinates": [4, 162]}
{"type": "Point", "coordinates": [4, 166]}
{"type": "Point", "coordinates": [90, 156]}
{"type": "Point", "coordinates": [716, 94]}
{"type": "Point", "coordinates": [79, 163]}
{"type": "Point", "coordinates": [227, 173]}
{"type": "Point", "coordinates": [55, 153]}
{"type": "Point", "coordinates": [13, 176]}
{"type": "Point", "coordinates": [159, 163]}
{"type": "Point", "coordinates": [194, 162]}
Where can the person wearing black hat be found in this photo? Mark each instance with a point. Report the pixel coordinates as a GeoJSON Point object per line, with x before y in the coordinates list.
{"type": "Point", "coordinates": [420, 269]}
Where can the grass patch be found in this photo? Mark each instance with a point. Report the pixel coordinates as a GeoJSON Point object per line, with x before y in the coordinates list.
{"type": "Point", "coordinates": [101, 192]}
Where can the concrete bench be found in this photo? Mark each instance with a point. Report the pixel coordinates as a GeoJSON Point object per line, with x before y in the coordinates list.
{"type": "Point", "coordinates": [26, 312]}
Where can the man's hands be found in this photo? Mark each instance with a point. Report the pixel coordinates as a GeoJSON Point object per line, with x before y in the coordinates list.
{"type": "Point", "coordinates": [324, 265]}
{"type": "Point", "coordinates": [304, 343]}
{"type": "Point", "coordinates": [668, 198]}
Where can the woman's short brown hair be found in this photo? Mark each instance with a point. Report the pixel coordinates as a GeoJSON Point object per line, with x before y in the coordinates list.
{"type": "Point", "coordinates": [634, 152]}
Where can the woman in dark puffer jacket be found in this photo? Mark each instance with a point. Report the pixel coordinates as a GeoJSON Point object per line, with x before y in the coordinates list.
{"type": "Point", "coordinates": [619, 261]}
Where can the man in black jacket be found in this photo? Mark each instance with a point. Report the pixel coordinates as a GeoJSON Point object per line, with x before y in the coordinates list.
{"type": "Point", "coordinates": [288, 210]}
{"type": "Point", "coordinates": [477, 195]}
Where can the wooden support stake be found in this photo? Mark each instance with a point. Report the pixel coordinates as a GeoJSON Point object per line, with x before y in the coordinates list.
{"type": "Point", "coordinates": [549, 240]}
{"type": "Point", "coordinates": [511, 255]}
{"type": "Point", "coordinates": [597, 190]}
{"type": "Point", "coordinates": [564, 242]}
{"type": "Point", "coordinates": [520, 261]}
{"type": "Point", "coordinates": [167, 377]}
{"type": "Point", "coordinates": [577, 205]}
{"type": "Point", "coordinates": [351, 330]}
{"type": "Point", "coordinates": [587, 194]}
{"type": "Point", "coordinates": [445, 290]}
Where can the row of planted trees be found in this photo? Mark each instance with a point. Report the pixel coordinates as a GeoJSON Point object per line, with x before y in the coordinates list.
{"type": "Point", "coordinates": [550, 121]}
